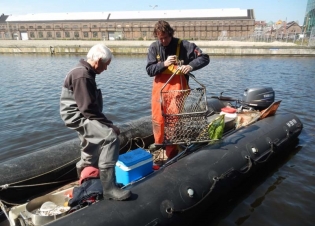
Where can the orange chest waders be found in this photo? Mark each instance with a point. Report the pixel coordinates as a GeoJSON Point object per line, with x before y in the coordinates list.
{"type": "Point", "coordinates": [178, 82]}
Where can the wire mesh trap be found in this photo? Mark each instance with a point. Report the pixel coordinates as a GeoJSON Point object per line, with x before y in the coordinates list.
{"type": "Point", "coordinates": [185, 114]}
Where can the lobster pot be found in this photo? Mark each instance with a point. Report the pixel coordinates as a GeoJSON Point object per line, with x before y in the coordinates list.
{"type": "Point", "coordinates": [185, 116]}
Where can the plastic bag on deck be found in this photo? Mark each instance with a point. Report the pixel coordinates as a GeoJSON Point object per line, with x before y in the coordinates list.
{"type": "Point", "coordinates": [216, 128]}
{"type": "Point", "coordinates": [246, 118]}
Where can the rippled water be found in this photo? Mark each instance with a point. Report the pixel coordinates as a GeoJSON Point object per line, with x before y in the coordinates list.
{"type": "Point", "coordinates": [29, 120]}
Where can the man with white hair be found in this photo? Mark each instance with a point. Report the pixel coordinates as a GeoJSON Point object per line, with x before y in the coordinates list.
{"type": "Point", "coordinates": [81, 106]}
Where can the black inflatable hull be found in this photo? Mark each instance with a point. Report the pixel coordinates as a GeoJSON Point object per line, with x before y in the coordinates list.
{"type": "Point", "coordinates": [33, 174]}
{"type": "Point", "coordinates": [177, 193]}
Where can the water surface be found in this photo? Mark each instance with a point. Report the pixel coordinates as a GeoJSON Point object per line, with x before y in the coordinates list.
{"type": "Point", "coordinates": [29, 119]}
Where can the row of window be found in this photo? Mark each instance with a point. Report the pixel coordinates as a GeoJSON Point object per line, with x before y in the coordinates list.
{"type": "Point", "coordinates": [75, 26]}
{"type": "Point", "coordinates": [67, 26]}
{"type": "Point", "coordinates": [66, 34]}
{"type": "Point", "coordinates": [22, 28]}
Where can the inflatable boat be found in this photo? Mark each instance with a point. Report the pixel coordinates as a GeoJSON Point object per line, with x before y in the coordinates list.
{"type": "Point", "coordinates": [176, 191]}
{"type": "Point", "coordinates": [27, 176]}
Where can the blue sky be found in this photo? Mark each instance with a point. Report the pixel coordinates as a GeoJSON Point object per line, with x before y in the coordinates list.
{"type": "Point", "coordinates": [268, 10]}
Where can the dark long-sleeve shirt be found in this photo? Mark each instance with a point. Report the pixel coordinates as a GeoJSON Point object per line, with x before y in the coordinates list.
{"type": "Point", "coordinates": [189, 54]}
{"type": "Point", "coordinates": [80, 97]}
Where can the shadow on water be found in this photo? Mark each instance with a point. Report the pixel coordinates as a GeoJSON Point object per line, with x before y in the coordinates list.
{"type": "Point", "coordinates": [222, 208]}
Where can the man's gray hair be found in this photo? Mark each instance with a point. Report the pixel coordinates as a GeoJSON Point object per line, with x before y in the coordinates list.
{"type": "Point", "coordinates": [99, 51]}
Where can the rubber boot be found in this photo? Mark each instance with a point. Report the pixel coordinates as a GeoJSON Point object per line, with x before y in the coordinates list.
{"type": "Point", "coordinates": [110, 189]}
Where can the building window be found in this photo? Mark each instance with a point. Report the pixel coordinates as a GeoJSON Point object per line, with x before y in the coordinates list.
{"type": "Point", "coordinates": [31, 27]}
{"type": "Point", "coordinates": [67, 34]}
{"type": "Point", "coordinates": [40, 34]}
{"type": "Point", "coordinates": [66, 26]}
{"type": "Point", "coordinates": [39, 27]}
{"type": "Point", "coordinates": [75, 26]}
{"type": "Point", "coordinates": [57, 26]}
{"type": "Point", "coordinates": [94, 26]}
{"type": "Point", "coordinates": [85, 34]}
{"type": "Point", "coordinates": [85, 26]}
{"type": "Point", "coordinates": [49, 34]}
{"type": "Point", "coordinates": [94, 34]}
{"type": "Point", "coordinates": [8, 35]}
{"type": "Point", "coordinates": [76, 34]}
{"type": "Point", "coordinates": [48, 27]}
{"type": "Point", "coordinates": [32, 34]}
{"type": "Point", "coordinates": [58, 34]}
{"type": "Point", "coordinates": [22, 27]}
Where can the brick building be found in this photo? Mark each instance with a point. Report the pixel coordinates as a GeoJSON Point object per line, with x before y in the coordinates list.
{"type": "Point", "coordinates": [198, 24]}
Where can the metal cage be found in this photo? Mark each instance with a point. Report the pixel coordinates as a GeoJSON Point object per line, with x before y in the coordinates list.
{"type": "Point", "coordinates": [185, 114]}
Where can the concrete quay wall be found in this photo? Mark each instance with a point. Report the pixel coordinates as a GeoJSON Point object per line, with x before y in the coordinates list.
{"type": "Point", "coordinates": [213, 48]}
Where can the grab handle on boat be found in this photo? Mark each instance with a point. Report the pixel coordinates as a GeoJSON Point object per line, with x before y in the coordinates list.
{"type": "Point", "coordinates": [216, 179]}
{"type": "Point", "coordinates": [272, 151]}
{"type": "Point", "coordinates": [250, 164]}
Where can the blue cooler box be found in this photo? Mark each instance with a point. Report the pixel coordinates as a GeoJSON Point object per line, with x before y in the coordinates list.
{"type": "Point", "coordinates": [133, 165]}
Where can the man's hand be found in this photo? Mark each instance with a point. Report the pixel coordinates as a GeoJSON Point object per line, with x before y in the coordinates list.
{"type": "Point", "coordinates": [116, 129]}
{"type": "Point", "coordinates": [170, 60]}
{"type": "Point", "coordinates": [186, 69]}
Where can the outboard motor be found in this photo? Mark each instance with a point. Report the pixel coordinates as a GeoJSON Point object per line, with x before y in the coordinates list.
{"type": "Point", "coordinates": [258, 98]}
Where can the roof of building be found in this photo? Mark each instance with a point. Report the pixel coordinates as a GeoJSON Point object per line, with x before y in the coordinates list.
{"type": "Point", "coordinates": [292, 23]}
{"type": "Point", "coordinates": [133, 15]}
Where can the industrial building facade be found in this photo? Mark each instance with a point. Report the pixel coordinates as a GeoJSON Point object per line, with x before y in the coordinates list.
{"type": "Point", "coordinates": [205, 24]}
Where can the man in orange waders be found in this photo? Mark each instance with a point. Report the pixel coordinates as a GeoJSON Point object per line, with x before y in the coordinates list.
{"type": "Point", "coordinates": [162, 59]}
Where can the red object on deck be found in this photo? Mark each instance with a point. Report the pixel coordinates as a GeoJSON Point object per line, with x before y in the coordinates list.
{"type": "Point", "coordinates": [156, 167]}
{"type": "Point", "coordinates": [228, 110]}
{"type": "Point", "coordinates": [88, 172]}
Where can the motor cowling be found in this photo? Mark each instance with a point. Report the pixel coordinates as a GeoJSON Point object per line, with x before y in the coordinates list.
{"type": "Point", "coordinates": [258, 98]}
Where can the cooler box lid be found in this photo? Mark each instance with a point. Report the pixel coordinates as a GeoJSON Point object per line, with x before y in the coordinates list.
{"type": "Point", "coordinates": [133, 157]}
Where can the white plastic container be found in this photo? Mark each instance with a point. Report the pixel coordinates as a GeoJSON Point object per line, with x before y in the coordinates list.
{"type": "Point", "coordinates": [229, 112]}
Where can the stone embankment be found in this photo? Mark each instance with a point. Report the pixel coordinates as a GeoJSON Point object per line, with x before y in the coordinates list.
{"type": "Point", "coordinates": [213, 48]}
